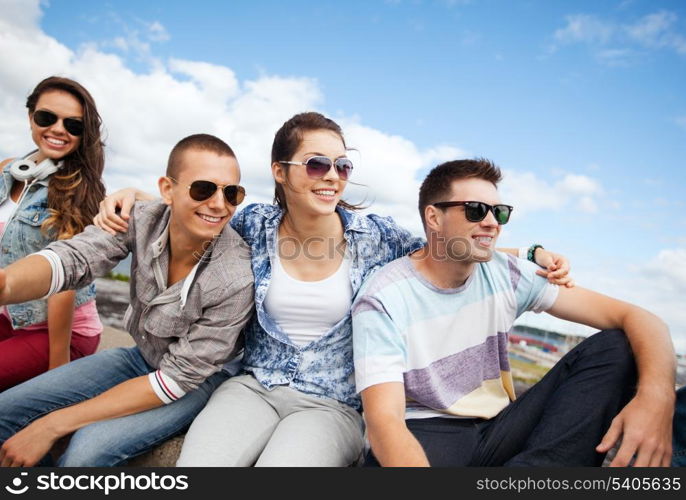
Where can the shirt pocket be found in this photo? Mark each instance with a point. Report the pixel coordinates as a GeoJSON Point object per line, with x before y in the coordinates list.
{"type": "Point", "coordinates": [166, 321]}
{"type": "Point", "coordinates": [30, 221]}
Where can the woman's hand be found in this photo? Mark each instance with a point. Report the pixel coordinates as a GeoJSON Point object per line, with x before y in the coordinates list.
{"type": "Point", "coordinates": [555, 267]}
{"type": "Point", "coordinates": [121, 201]}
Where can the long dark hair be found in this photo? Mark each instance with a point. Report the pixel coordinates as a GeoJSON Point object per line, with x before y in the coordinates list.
{"type": "Point", "coordinates": [287, 141]}
{"type": "Point", "coordinates": [75, 191]}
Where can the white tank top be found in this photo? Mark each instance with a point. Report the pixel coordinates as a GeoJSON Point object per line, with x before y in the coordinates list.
{"type": "Point", "coordinates": [306, 310]}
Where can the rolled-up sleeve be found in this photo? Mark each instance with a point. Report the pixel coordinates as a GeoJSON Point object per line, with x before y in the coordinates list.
{"type": "Point", "coordinates": [212, 340]}
{"type": "Point", "coordinates": [90, 254]}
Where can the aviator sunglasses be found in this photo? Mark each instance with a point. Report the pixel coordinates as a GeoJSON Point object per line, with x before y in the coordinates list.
{"type": "Point", "coordinates": [204, 190]}
{"type": "Point", "coordinates": [476, 211]}
{"type": "Point", "coordinates": [44, 118]}
{"type": "Point", "coordinates": [317, 166]}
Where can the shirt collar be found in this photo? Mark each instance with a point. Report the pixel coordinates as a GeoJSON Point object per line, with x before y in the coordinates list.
{"type": "Point", "coordinates": [352, 221]}
{"type": "Point", "coordinates": [160, 244]}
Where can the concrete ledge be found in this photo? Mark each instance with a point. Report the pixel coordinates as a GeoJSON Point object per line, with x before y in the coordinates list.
{"type": "Point", "coordinates": [112, 337]}
{"type": "Point", "coordinates": [164, 455]}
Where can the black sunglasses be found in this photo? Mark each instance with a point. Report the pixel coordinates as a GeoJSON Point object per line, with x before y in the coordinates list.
{"type": "Point", "coordinates": [317, 166]}
{"type": "Point", "coordinates": [476, 211]}
{"type": "Point", "coordinates": [44, 118]}
{"type": "Point", "coordinates": [204, 190]}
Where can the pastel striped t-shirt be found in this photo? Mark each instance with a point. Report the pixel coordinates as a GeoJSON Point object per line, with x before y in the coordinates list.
{"type": "Point", "coordinates": [448, 346]}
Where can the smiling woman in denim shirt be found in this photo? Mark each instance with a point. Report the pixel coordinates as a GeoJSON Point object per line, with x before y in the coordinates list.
{"type": "Point", "coordinates": [295, 403]}
{"type": "Point", "coordinates": [50, 194]}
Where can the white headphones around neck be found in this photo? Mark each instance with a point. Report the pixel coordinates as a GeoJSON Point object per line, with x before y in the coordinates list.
{"type": "Point", "coordinates": [27, 169]}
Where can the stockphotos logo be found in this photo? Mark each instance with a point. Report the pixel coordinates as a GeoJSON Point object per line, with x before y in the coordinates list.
{"type": "Point", "coordinates": [16, 487]}
{"type": "Point", "coordinates": [106, 483]}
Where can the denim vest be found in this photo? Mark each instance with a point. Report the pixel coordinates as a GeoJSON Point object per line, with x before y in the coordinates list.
{"type": "Point", "coordinates": [23, 236]}
{"type": "Point", "coordinates": [322, 368]}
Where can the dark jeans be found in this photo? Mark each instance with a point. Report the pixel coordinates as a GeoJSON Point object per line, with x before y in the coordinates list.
{"type": "Point", "coordinates": [679, 444]}
{"type": "Point", "coordinates": [558, 422]}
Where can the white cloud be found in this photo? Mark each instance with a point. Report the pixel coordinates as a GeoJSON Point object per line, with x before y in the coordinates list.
{"type": "Point", "coordinates": [651, 28]}
{"type": "Point", "coordinates": [660, 286]}
{"type": "Point", "coordinates": [668, 269]}
{"type": "Point", "coordinates": [218, 82]}
{"type": "Point", "coordinates": [388, 167]}
{"type": "Point", "coordinates": [616, 57]}
{"type": "Point", "coordinates": [587, 205]}
{"type": "Point", "coordinates": [658, 30]}
{"type": "Point", "coordinates": [121, 44]}
{"type": "Point", "coordinates": [453, 3]}
{"type": "Point", "coordinates": [21, 14]}
{"type": "Point", "coordinates": [157, 32]}
{"type": "Point", "coordinates": [137, 38]}
{"type": "Point", "coordinates": [584, 28]}
{"type": "Point", "coordinates": [579, 185]}
{"type": "Point", "coordinates": [529, 193]}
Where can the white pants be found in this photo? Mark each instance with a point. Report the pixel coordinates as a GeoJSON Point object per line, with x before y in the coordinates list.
{"type": "Point", "coordinates": [245, 424]}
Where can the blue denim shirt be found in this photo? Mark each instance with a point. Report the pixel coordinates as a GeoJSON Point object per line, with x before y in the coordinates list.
{"type": "Point", "coordinates": [23, 236]}
{"type": "Point", "coordinates": [324, 367]}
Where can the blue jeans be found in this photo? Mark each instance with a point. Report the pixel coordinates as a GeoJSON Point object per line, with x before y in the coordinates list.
{"type": "Point", "coordinates": [679, 430]}
{"type": "Point", "coordinates": [107, 442]}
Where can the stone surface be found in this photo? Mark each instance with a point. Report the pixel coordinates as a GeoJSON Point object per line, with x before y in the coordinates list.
{"type": "Point", "coordinates": [164, 455]}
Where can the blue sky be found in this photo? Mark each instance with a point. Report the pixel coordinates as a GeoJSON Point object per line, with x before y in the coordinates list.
{"type": "Point", "coordinates": [581, 103]}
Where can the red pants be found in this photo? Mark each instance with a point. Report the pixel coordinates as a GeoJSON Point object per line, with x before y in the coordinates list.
{"type": "Point", "coordinates": [25, 354]}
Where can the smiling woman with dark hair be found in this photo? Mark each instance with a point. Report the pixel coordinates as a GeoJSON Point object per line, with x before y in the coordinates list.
{"type": "Point", "coordinates": [50, 194]}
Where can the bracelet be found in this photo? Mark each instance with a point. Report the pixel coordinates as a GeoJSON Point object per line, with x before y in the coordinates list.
{"type": "Point", "coordinates": [530, 256]}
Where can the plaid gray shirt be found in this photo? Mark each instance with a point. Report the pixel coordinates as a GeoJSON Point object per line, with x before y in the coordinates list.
{"type": "Point", "coordinates": [186, 343]}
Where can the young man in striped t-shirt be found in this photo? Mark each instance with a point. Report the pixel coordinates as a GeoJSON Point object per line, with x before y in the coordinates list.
{"type": "Point", "coordinates": [430, 337]}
